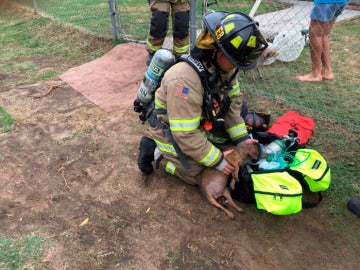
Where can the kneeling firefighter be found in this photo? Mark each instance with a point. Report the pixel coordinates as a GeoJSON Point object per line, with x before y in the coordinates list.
{"type": "Point", "coordinates": [196, 116]}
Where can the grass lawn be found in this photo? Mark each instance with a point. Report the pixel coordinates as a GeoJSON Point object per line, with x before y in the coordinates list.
{"type": "Point", "coordinates": [93, 16]}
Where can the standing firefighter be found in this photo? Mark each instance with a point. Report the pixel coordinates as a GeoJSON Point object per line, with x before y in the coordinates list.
{"type": "Point", "coordinates": [196, 116]}
{"type": "Point", "coordinates": [161, 10]}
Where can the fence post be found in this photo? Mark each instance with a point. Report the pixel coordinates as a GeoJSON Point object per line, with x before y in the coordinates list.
{"type": "Point", "coordinates": [36, 7]}
{"type": "Point", "coordinates": [117, 19]}
{"type": "Point", "coordinates": [254, 8]}
{"type": "Point", "coordinates": [113, 19]}
{"type": "Point", "coordinates": [193, 23]}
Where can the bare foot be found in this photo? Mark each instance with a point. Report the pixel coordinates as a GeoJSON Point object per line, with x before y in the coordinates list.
{"type": "Point", "coordinates": [328, 76]}
{"type": "Point", "coordinates": [309, 78]}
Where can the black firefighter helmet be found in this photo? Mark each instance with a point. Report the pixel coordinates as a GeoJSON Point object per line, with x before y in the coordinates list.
{"type": "Point", "coordinates": [238, 36]}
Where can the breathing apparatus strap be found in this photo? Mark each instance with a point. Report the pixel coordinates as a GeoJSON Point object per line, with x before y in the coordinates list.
{"type": "Point", "coordinates": [213, 113]}
{"type": "Point", "coordinates": [179, 152]}
{"type": "Point", "coordinates": [198, 66]}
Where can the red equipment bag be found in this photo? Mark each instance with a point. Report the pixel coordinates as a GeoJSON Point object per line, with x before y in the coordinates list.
{"type": "Point", "coordinates": [303, 125]}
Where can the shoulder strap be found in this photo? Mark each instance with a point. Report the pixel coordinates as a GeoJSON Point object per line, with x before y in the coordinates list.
{"type": "Point", "coordinates": [198, 67]}
{"type": "Point", "coordinates": [306, 204]}
{"type": "Point", "coordinates": [208, 105]}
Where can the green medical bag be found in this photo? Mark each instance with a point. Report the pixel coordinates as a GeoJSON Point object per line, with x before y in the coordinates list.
{"type": "Point", "coordinates": [277, 192]}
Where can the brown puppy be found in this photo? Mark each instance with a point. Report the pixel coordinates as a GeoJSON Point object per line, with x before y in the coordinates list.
{"type": "Point", "coordinates": [213, 183]}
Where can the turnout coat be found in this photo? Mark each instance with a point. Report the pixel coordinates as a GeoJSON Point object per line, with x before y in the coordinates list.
{"type": "Point", "coordinates": [180, 98]}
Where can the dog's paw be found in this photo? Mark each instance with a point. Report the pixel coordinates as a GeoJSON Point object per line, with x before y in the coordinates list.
{"type": "Point", "coordinates": [230, 215]}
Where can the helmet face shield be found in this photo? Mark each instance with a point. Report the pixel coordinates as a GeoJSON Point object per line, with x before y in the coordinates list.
{"type": "Point", "coordinates": [251, 60]}
{"type": "Point", "coordinates": [238, 36]}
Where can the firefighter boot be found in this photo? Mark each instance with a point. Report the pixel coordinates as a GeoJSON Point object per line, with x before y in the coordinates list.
{"type": "Point", "coordinates": [354, 206]}
{"type": "Point", "coordinates": [146, 155]}
{"type": "Point", "coordinates": [149, 58]}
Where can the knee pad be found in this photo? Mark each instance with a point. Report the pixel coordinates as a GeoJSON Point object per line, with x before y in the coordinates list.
{"type": "Point", "coordinates": [181, 24]}
{"type": "Point", "coordinates": [159, 24]}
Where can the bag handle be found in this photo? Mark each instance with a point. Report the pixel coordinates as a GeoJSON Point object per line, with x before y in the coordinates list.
{"type": "Point", "coordinates": [296, 162]}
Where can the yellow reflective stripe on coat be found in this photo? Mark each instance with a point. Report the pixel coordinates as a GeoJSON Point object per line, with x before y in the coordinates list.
{"type": "Point", "coordinates": [237, 131]}
{"type": "Point", "coordinates": [166, 147]}
{"type": "Point", "coordinates": [159, 105]}
{"type": "Point", "coordinates": [211, 157]}
{"type": "Point", "coordinates": [214, 139]}
{"type": "Point", "coordinates": [184, 125]}
{"type": "Point", "coordinates": [170, 167]}
{"type": "Point", "coordinates": [235, 90]}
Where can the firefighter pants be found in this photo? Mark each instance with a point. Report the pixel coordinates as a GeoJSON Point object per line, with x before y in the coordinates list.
{"type": "Point", "coordinates": [159, 26]}
{"type": "Point", "coordinates": [173, 166]}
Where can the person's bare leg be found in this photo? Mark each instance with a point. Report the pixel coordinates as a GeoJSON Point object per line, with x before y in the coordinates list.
{"type": "Point", "coordinates": [325, 57]}
{"type": "Point", "coordinates": [316, 48]}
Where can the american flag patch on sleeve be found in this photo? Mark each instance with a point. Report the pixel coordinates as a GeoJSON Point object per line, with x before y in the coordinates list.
{"type": "Point", "coordinates": [182, 92]}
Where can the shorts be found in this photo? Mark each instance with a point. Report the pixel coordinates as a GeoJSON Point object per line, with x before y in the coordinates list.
{"type": "Point", "coordinates": [327, 12]}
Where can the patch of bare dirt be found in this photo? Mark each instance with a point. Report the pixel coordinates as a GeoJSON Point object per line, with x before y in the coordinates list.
{"type": "Point", "coordinates": [69, 162]}
{"type": "Point", "coordinates": [110, 81]}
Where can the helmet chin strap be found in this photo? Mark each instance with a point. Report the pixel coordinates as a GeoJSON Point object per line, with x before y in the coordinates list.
{"type": "Point", "coordinates": [215, 63]}
{"type": "Point", "coordinates": [214, 77]}
{"type": "Point", "coordinates": [217, 75]}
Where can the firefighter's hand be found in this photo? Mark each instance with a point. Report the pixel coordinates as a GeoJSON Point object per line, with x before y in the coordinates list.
{"type": "Point", "coordinates": [248, 142]}
{"type": "Point", "coordinates": [228, 169]}
{"type": "Point", "coordinates": [225, 167]}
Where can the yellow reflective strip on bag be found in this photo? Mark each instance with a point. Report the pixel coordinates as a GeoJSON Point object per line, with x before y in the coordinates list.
{"type": "Point", "coordinates": [314, 168]}
{"type": "Point", "coordinates": [277, 192]}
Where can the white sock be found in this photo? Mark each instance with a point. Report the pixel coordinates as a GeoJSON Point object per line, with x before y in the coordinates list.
{"type": "Point", "coordinates": [157, 154]}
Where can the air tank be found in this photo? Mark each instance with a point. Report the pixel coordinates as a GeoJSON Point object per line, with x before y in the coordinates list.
{"type": "Point", "coordinates": [162, 60]}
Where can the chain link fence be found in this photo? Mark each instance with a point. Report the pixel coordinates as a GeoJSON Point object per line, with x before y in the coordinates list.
{"type": "Point", "coordinates": [286, 21]}
{"type": "Point", "coordinates": [129, 19]}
